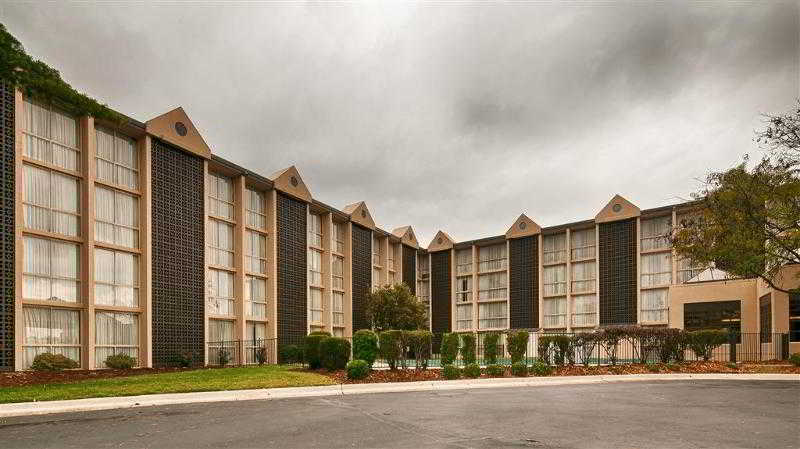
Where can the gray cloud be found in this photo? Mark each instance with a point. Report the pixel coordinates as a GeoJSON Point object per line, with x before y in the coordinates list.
{"type": "Point", "coordinates": [451, 116]}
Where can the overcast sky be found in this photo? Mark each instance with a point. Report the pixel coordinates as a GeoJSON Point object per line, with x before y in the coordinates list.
{"type": "Point", "coordinates": [444, 116]}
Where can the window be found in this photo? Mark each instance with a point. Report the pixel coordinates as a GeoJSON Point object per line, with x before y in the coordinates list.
{"type": "Point", "coordinates": [51, 136]}
{"type": "Point", "coordinates": [51, 201]}
{"type": "Point", "coordinates": [492, 286]}
{"type": "Point", "coordinates": [376, 251]}
{"type": "Point", "coordinates": [339, 232]}
{"type": "Point", "coordinates": [390, 257]}
{"type": "Point", "coordinates": [314, 267]}
{"type": "Point", "coordinates": [554, 248]}
{"type": "Point", "coordinates": [656, 269]}
{"type": "Point", "coordinates": [655, 233]}
{"type": "Point", "coordinates": [315, 305]}
{"type": "Point", "coordinates": [391, 277]}
{"type": "Point", "coordinates": [794, 317]}
{"type": "Point", "coordinates": [584, 310]}
{"type": "Point", "coordinates": [655, 305]}
{"type": "Point", "coordinates": [464, 261]}
{"type": "Point", "coordinates": [583, 277]}
{"type": "Point", "coordinates": [315, 230]}
{"type": "Point", "coordinates": [220, 196]}
{"type": "Point", "coordinates": [255, 293]}
{"type": "Point", "coordinates": [555, 312]}
{"type": "Point", "coordinates": [338, 332]}
{"type": "Point", "coordinates": [116, 218]}
{"type": "Point", "coordinates": [117, 159]}
{"type": "Point", "coordinates": [115, 333]}
{"type": "Point", "coordinates": [463, 317]}
{"type": "Point", "coordinates": [50, 270]}
{"type": "Point", "coordinates": [256, 331]}
{"type": "Point", "coordinates": [220, 243]}
{"type": "Point", "coordinates": [492, 257]}
{"type": "Point", "coordinates": [256, 206]}
{"type": "Point", "coordinates": [221, 294]}
{"type": "Point", "coordinates": [255, 336]}
{"type": "Point", "coordinates": [464, 289]}
{"type": "Point", "coordinates": [582, 244]}
{"type": "Point", "coordinates": [422, 290]}
{"type": "Point", "coordinates": [712, 315]}
{"type": "Point", "coordinates": [492, 315]}
{"type": "Point", "coordinates": [255, 252]}
{"type": "Point", "coordinates": [116, 277]}
{"type": "Point", "coordinates": [424, 268]}
{"type": "Point", "coordinates": [220, 331]}
{"type": "Point", "coordinates": [376, 277]}
{"type": "Point", "coordinates": [687, 269]}
{"type": "Point", "coordinates": [338, 309]}
{"type": "Point", "coordinates": [555, 280]}
{"type": "Point", "coordinates": [765, 318]}
{"type": "Point", "coordinates": [337, 269]}
{"type": "Point", "coordinates": [51, 330]}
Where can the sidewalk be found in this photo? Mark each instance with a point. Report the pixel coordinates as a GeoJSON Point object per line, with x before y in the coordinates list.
{"type": "Point", "coordinates": [81, 405]}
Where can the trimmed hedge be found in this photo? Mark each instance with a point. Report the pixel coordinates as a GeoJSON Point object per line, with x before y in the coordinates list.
{"type": "Point", "coordinates": [517, 345]}
{"type": "Point", "coordinates": [794, 359]}
{"type": "Point", "coordinates": [703, 342]}
{"type": "Point", "coordinates": [472, 371]}
{"type": "Point", "coordinates": [449, 348]}
{"type": "Point", "coordinates": [357, 369]}
{"type": "Point", "coordinates": [291, 354]}
{"type": "Point", "coordinates": [496, 370]}
{"type": "Point", "coordinates": [47, 361]}
{"type": "Point", "coordinates": [468, 348]}
{"type": "Point", "coordinates": [540, 368]}
{"type": "Point", "coordinates": [392, 348]}
{"type": "Point", "coordinates": [451, 372]}
{"type": "Point", "coordinates": [419, 344]}
{"type": "Point", "coordinates": [365, 346]}
{"type": "Point", "coordinates": [120, 361]}
{"type": "Point", "coordinates": [334, 353]}
{"type": "Point", "coordinates": [491, 347]}
{"type": "Point", "coordinates": [519, 369]}
{"type": "Point", "coordinates": [311, 348]}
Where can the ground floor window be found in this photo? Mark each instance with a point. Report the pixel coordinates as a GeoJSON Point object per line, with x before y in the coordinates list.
{"type": "Point", "coordinates": [221, 345]}
{"type": "Point", "coordinates": [765, 318]}
{"type": "Point", "coordinates": [51, 330]}
{"type": "Point", "coordinates": [584, 310]}
{"type": "Point", "coordinates": [338, 332]}
{"type": "Point", "coordinates": [655, 305]}
{"type": "Point", "coordinates": [713, 315]}
{"type": "Point", "coordinates": [463, 316]}
{"type": "Point", "coordinates": [255, 340]}
{"type": "Point", "coordinates": [555, 312]}
{"type": "Point", "coordinates": [794, 317]}
{"type": "Point", "coordinates": [115, 333]}
{"type": "Point", "coordinates": [492, 315]}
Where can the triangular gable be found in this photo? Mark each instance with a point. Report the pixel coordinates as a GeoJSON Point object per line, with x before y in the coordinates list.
{"type": "Point", "coordinates": [176, 128]}
{"type": "Point", "coordinates": [406, 235]}
{"type": "Point", "coordinates": [617, 209]}
{"type": "Point", "coordinates": [359, 213]}
{"type": "Point", "coordinates": [523, 227]}
{"type": "Point", "coordinates": [441, 241]}
{"type": "Point", "coordinates": [289, 181]}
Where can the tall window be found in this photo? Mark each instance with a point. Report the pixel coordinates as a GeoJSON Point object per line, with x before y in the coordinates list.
{"type": "Point", "coordinates": [555, 312]}
{"type": "Point", "coordinates": [255, 334]}
{"type": "Point", "coordinates": [339, 231]}
{"type": "Point", "coordinates": [464, 261]}
{"type": "Point", "coordinates": [116, 218]}
{"type": "Point", "coordinates": [492, 286]}
{"type": "Point", "coordinates": [315, 230]}
{"type": "Point", "coordinates": [492, 257]}
{"type": "Point", "coordinates": [256, 206]}
{"type": "Point", "coordinates": [713, 315]}
{"type": "Point", "coordinates": [221, 294]}
{"type": "Point", "coordinates": [656, 269]}
{"type": "Point", "coordinates": [423, 278]}
{"type": "Point", "coordinates": [655, 233]}
{"type": "Point", "coordinates": [117, 159]}
{"type": "Point", "coordinates": [492, 315]}
{"type": "Point", "coordinates": [376, 250]}
{"type": "Point", "coordinates": [220, 243]}
{"type": "Point", "coordinates": [555, 280]}
{"type": "Point", "coordinates": [338, 309]}
{"type": "Point", "coordinates": [115, 333]}
{"type": "Point", "coordinates": [51, 136]}
{"type": "Point", "coordinates": [337, 271]}
{"type": "Point", "coordinates": [220, 340]}
{"type": "Point", "coordinates": [794, 317]}
{"type": "Point", "coordinates": [687, 269]}
{"type": "Point", "coordinates": [463, 316]}
{"type": "Point", "coordinates": [315, 305]}
{"type": "Point", "coordinates": [51, 201]}
{"type": "Point", "coordinates": [116, 277]}
{"type": "Point", "coordinates": [583, 277]}
{"type": "Point", "coordinates": [51, 270]}
{"type": "Point", "coordinates": [390, 257]}
{"type": "Point", "coordinates": [255, 294]}
{"type": "Point", "coordinates": [314, 267]}
{"type": "Point", "coordinates": [554, 248]}
{"type": "Point", "coordinates": [376, 277]}
{"type": "Point", "coordinates": [56, 331]}
{"type": "Point", "coordinates": [255, 252]}
{"type": "Point", "coordinates": [582, 244]}
{"type": "Point", "coordinates": [655, 305]}
{"type": "Point", "coordinates": [584, 310]}
{"type": "Point", "coordinates": [220, 196]}
{"type": "Point", "coordinates": [464, 288]}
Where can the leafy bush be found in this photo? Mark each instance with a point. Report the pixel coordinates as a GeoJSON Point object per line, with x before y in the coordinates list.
{"type": "Point", "coordinates": [449, 348]}
{"type": "Point", "coordinates": [519, 369]}
{"type": "Point", "coordinates": [490, 347]}
{"type": "Point", "coordinates": [395, 308]}
{"type": "Point", "coordinates": [496, 370]}
{"type": "Point", "coordinates": [262, 355]}
{"type": "Point", "coordinates": [794, 359]}
{"type": "Point", "coordinates": [517, 345]}
{"type": "Point", "coordinates": [609, 339]}
{"type": "Point", "coordinates": [334, 352]}
{"type": "Point", "coordinates": [540, 368]}
{"type": "Point", "coordinates": [291, 354]}
{"type": "Point", "coordinates": [450, 372]}
{"type": "Point", "coordinates": [419, 343]}
{"type": "Point", "coordinates": [311, 348]}
{"type": "Point", "coordinates": [472, 371]}
{"type": "Point", "coordinates": [357, 369]}
{"type": "Point", "coordinates": [120, 361]}
{"type": "Point", "coordinates": [584, 344]}
{"type": "Point", "coordinates": [555, 348]}
{"type": "Point", "coordinates": [48, 361]}
{"type": "Point", "coordinates": [184, 359]}
{"type": "Point", "coordinates": [391, 347]}
{"type": "Point", "coordinates": [673, 345]}
{"type": "Point", "coordinates": [223, 356]}
{"type": "Point", "coordinates": [468, 348]}
{"type": "Point", "coordinates": [365, 346]}
{"type": "Point", "coordinates": [704, 342]}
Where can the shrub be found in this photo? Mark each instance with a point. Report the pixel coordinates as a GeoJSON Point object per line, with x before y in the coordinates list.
{"type": "Point", "coordinates": [673, 345]}
{"type": "Point", "coordinates": [540, 368]}
{"type": "Point", "coordinates": [48, 361]}
{"type": "Point", "coordinates": [451, 372]}
{"type": "Point", "coordinates": [291, 354]}
{"type": "Point", "coordinates": [794, 359]}
{"type": "Point", "coordinates": [584, 344]}
{"type": "Point", "coordinates": [543, 348]}
{"type": "Point", "coordinates": [609, 339]}
{"type": "Point", "coordinates": [120, 361]}
{"type": "Point", "coordinates": [703, 342]}
{"type": "Point", "coordinates": [311, 348]}
{"type": "Point", "coordinates": [184, 359]}
{"type": "Point", "coordinates": [365, 346]}
{"type": "Point", "coordinates": [357, 369]}
{"type": "Point", "coordinates": [468, 348]}
{"type": "Point", "coordinates": [223, 356]}
{"type": "Point", "coordinates": [334, 352]}
{"type": "Point", "coordinates": [517, 345]}
{"type": "Point", "coordinates": [391, 347]}
{"type": "Point", "coordinates": [394, 307]}
{"type": "Point", "coordinates": [261, 355]}
{"type": "Point", "coordinates": [519, 369]}
{"type": "Point", "coordinates": [490, 347]}
{"type": "Point", "coordinates": [419, 343]}
{"type": "Point", "coordinates": [449, 348]}
{"type": "Point", "coordinates": [472, 370]}
{"type": "Point", "coordinates": [496, 370]}
{"type": "Point", "coordinates": [555, 348]}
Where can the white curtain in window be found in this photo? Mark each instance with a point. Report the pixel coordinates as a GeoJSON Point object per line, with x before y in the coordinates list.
{"type": "Point", "coordinates": [463, 316]}
{"type": "Point", "coordinates": [51, 330]}
{"type": "Point", "coordinates": [64, 133]}
{"type": "Point", "coordinates": [105, 155]}
{"type": "Point", "coordinates": [584, 310]}
{"type": "Point", "coordinates": [555, 312]}
{"type": "Point", "coordinates": [220, 330]}
{"type": "Point", "coordinates": [116, 333]}
{"type": "Point", "coordinates": [583, 277]}
{"type": "Point", "coordinates": [582, 244]}
{"type": "Point", "coordinates": [256, 209]}
{"type": "Point", "coordinates": [116, 217]}
{"type": "Point", "coordinates": [221, 243]}
{"type": "Point", "coordinates": [221, 196]}
{"type": "Point", "coordinates": [256, 293]}
{"type": "Point", "coordinates": [256, 331]}
{"type": "Point", "coordinates": [555, 279]}
{"type": "Point", "coordinates": [104, 214]}
{"type": "Point", "coordinates": [656, 269]}
{"type": "Point", "coordinates": [51, 201]}
{"type": "Point", "coordinates": [221, 294]}
{"type": "Point", "coordinates": [256, 252]}
{"type": "Point", "coordinates": [315, 230]}
{"type": "Point", "coordinates": [50, 270]}
{"type": "Point", "coordinates": [338, 308]}
{"type": "Point", "coordinates": [492, 286]}
{"type": "Point", "coordinates": [315, 305]}
{"type": "Point", "coordinates": [654, 305]}
{"type": "Point", "coordinates": [655, 233]}
{"type": "Point", "coordinates": [314, 267]}
{"type": "Point", "coordinates": [554, 247]}
{"type": "Point", "coordinates": [127, 158]}
{"type": "Point", "coordinates": [116, 278]}
{"type": "Point", "coordinates": [492, 315]}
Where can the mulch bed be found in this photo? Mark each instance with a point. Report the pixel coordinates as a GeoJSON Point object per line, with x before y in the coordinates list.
{"type": "Point", "coordinates": [20, 378]}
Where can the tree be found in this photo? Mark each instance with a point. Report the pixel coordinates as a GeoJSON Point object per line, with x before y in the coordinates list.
{"type": "Point", "coordinates": [747, 220]}
{"type": "Point", "coordinates": [395, 308]}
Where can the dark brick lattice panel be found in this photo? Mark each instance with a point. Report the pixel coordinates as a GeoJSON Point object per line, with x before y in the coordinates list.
{"type": "Point", "coordinates": [410, 268]}
{"type": "Point", "coordinates": [440, 295]}
{"type": "Point", "coordinates": [524, 282]}
{"type": "Point", "coordinates": [178, 255]}
{"type": "Point", "coordinates": [362, 274]}
{"type": "Point", "coordinates": [292, 287]}
{"type": "Point", "coordinates": [7, 227]}
{"type": "Point", "coordinates": [617, 256]}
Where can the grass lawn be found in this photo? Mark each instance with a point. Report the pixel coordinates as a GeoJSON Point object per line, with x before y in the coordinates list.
{"type": "Point", "coordinates": [238, 378]}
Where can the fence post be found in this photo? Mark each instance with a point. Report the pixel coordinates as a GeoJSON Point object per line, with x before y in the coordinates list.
{"type": "Point", "coordinates": [784, 346]}
{"type": "Point", "coordinates": [732, 345]}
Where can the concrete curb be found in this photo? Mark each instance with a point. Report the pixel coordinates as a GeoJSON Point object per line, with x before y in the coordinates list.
{"type": "Point", "coordinates": [82, 405]}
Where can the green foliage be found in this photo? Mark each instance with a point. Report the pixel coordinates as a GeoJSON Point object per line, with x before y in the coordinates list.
{"type": "Point", "coordinates": [794, 359]}
{"type": "Point", "coordinates": [472, 371]}
{"type": "Point", "coordinates": [449, 348]}
{"type": "Point", "coordinates": [392, 348]}
{"type": "Point", "coordinates": [703, 342]}
{"type": "Point", "coordinates": [673, 345]}
{"type": "Point", "coordinates": [334, 352]}
{"type": "Point", "coordinates": [517, 345]}
{"type": "Point", "coordinates": [496, 370]}
{"type": "Point", "coordinates": [584, 344]}
{"type": "Point", "coordinates": [223, 356]}
{"type": "Point", "coordinates": [609, 338]}
{"type": "Point", "coordinates": [48, 361]}
{"type": "Point", "coordinates": [291, 354]}
{"type": "Point", "coordinates": [357, 369]}
{"type": "Point", "coordinates": [539, 368]}
{"type": "Point", "coordinates": [120, 361]}
{"type": "Point", "coordinates": [450, 372]}
{"type": "Point", "coordinates": [365, 346]}
{"type": "Point", "coordinates": [491, 347]}
{"type": "Point", "coordinates": [395, 308]}
{"type": "Point", "coordinates": [555, 348]}
{"type": "Point", "coordinates": [261, 355]}
{"type": "Point", "coordinates": [311, 351]}
{"type": "Point", "coordinates": [519, 369]}
{"type": "Point", "coordinates": [184, 359]}
{"type": "Point", "coordinates": [468, 348]}
{"type": "Point", "coordinates": [419, 345]}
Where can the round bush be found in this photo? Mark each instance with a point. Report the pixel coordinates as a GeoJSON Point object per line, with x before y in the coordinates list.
{"type": "Point", "coordinates": [794, 359]}
{"type": "Point", "coordinates": [496, 370]}
{"type": "Point", "coordinates": [291, 354]}
{"type": "Point", "coordinates": [365, 346]}
{"type": "Point", "coordinates": [472, 371]}
{"type": "Point", "coordinates": [48, 361]}
{"type": "Point", "coordinates": [449, 348]}
{"type": "Point", "coordinates": [120, 361]}
{"type": "Point", "coordinates": [451, 372]}
{"type": "Point", "coordinates": [334, 352]}
{"type": "Point", "coordinates": [519, 369]}
{"type": "Point", "coordinates": [541, 369]}
{"type": "Point", "coordinates": [357, 369]}
{"type": "Point", "coordinates": [468, 348]}
{"type": "Point", "coordinates": [311, 348]}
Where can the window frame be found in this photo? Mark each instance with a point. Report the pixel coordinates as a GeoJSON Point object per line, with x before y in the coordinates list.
{"type": "Point", "coordinates": [117, 164]}
{"type": "Point", "coordinates": [51, 277]}
{"type": "Point", "coordinates": [26, 203]}
{"type": "Point", "coordinates": [50, 142]}
{"type": "Point", "coordinates": [115, 226]}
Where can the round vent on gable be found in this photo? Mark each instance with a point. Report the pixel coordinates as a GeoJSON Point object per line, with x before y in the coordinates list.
{"type": "Point", "coordinates": [294, 181]}
{"type": "Point", "coordinates": [617, 207]}
{"type": "Point", "coordinates": [180, 128]}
